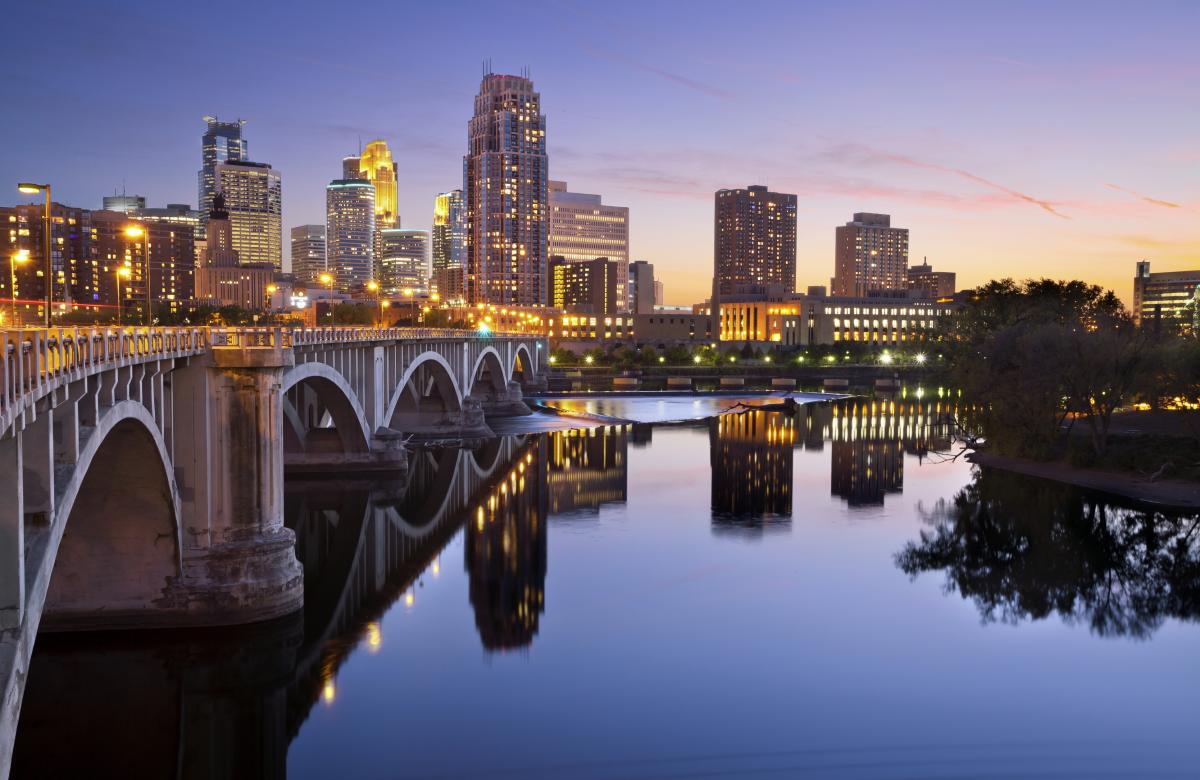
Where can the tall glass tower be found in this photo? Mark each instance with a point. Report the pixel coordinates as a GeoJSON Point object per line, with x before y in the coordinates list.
{"type": "Point", "coordinates": [376, 166]}
{"type": "Point", "coordinates": [350, 232]}
{"type": "Point", "coordinates": [221, 142]}
{"type": "Point", "coordinates": [505, 175]}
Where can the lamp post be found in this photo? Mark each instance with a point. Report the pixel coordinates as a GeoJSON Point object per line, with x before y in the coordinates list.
{"type": "Point", "coordinates": [373, 286]}
{"type": "Point", "coordinates": [29, 188]}
{"type": "Point", "coordinates": [327, 280]}
{"type": "Point", "coordinates": [124, 272]}
{"type": "Point", "coordinates": [271, 290]}
{"type": "Point", "coordinates": [135, 231]}
{"type": "Point", "coordinates": [21, 256]}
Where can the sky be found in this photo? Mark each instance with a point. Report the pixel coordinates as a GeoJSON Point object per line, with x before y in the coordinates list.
{"type": "Point", "coordinates": [1011, 139]}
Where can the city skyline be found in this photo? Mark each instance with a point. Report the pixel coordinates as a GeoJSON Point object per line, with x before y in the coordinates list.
{"type": "Point", "coordinates": [970, 144]}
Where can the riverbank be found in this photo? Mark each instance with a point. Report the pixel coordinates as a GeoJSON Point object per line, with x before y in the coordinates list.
{"type": "Point", "coordinates": [1163, 493]}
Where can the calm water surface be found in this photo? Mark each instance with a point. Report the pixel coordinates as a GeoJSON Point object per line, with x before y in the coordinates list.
{"type": "Point", "coordinates": [754, 594]}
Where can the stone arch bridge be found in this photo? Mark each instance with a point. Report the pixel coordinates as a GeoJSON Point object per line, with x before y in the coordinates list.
{"type": "Point", "coordinates": [141, 470]}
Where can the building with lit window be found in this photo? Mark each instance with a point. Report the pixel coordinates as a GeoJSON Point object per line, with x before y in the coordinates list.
{"type": "Point", "coordinates": [223, 279]}
{"type": "Point", "coordinates": [449, 245]}
{"type": "Point", "coordinates": [350, 232]}
{"type": "Point", "coordinates": [404, 261]}
{"type": "Point", "coordinates": [751, 457]}
{"type": "Point", "coordinates": [585, 286]}
{"type": "Point", "coordinates": [587, 468]}
{"type": "Point", "coordinates": [1165, 300]}
{"type": "Point", "coordinates": [76, 276]}
{"type": "Point", "coordinates": [376, 166]}
{"type": "Point", "coordinates": [222, 142]}
{"type": "Point", "coordinates": [925, 281]}
{"type": "Point", "coordinates": [125, 204]}
{"type": "Point", "coordinates": [254, 200]}
{"type": "Point", "coordinates": [754, 239]}
{"type": "Point", "coordinates": [505, 174]}
{"type": "Point", "coordinates": [172, 268]}
{"type": "Point", "coordinates": [308, 252]}
{"type": "Point", "coordinates": [870, 254]}
{"type": "Point", "coordinates": [582, 227]}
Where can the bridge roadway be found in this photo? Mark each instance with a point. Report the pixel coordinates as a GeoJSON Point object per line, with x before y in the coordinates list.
{"type": "Point", "coordinates": [173, 443]}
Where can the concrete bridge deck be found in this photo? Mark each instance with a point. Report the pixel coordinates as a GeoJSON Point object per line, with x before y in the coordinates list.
{"type": "Point", "coordinates": [173, 443]}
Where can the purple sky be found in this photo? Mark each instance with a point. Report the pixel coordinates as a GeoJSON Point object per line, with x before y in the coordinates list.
{"type": "Point", "coordinates": [1014, 139]}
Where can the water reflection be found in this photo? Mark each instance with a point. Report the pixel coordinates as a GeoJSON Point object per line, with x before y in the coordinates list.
{"type": "Point", "coordinates": [1025, 549]}
{"type": "Point", "coordinates": [587, 468]}
{"type": "Point", "coordinates": [751, 456]}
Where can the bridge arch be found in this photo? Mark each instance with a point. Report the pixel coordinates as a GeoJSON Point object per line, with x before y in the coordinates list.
{"type": "Point", "coordinates": [488, 378]}
{"type": "Point", "coordinates": [522, 368]}
{"type": "Point", "coordinates": [426, 388]}
{"type": "Point", "coordinates": [137, 525]}
{"type": "Point", "coordinates": [327, 397]}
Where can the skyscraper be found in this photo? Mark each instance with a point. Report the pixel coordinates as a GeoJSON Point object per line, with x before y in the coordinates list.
{"type": "Point", "coordinates": [221, 142]}
{"type": "Point", "coordinates": [404, 260]}
{"type": "Point", "coordinates": [308, 252]}
{"type": "Point", "coordinates": [124, 203]}
{"type": "Point", "coordinates": [254, 200]}
{"type": "Point", "coordinates": [350, 232]}
{"type": "Point", "coordinates": [505, 175]}
{"type": "Point", "coordinates": [583, 228]}
{"type": "Point", "coordinates": [449, 245]}
{"type": "Point", "coordinates": [587, 286]}
{"type": "Point", "coordinates": [641, 287]}
{"type": "Point", "coordinates": [350, 167]}
{"type": "Point", "coordinates": [376, 166]}
{"type": "Point", "coordinates": [870, 255]}
{"type": "Point", "coordinates": [755, 239]}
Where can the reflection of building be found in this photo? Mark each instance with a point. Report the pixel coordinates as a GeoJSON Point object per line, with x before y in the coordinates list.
{"type": "Point", "coordinates": [1163, 299]}
{"type": "Point", "coordinates": [751, 456]}
{"type": "Point", "coordinates": [504, 188]}
{"type": "Point", "coordinates": [506, 556]}
{"type": "Point", "coordinates": [582, 227]}
{"type": "Point", "coordinates": [870, 439]}
{"type": "Point", "coordinates": [587, 468]}
{"type": "Point", "coordinates": [870, 255]}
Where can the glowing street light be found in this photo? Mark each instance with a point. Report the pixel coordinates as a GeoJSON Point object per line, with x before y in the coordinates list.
{"type": "Point", "coordinates": [29, 188]}
{"type": "Point", "coordinates": [19, 258]}
{"type": "Point", "coordinates": [696, 358]}
{"type": "Point", "coordinates": [124, 272]}
{"type": "Point", "coordinates": [327, 280]}
{"type": "Point", "coordinates": [921, 358]}
{"type": "Point", "coordinates": [135, 232]}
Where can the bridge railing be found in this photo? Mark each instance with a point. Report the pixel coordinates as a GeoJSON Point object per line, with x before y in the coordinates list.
{"type": "Point", "coordinates": [31, 359]}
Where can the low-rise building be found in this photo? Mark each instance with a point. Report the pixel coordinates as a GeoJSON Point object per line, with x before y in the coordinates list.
{"type": "Point", "coordinates": [1164, 299]}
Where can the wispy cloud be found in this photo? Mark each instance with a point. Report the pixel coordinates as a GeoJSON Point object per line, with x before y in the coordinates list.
{"type": "Point", "coordinates": [1156, 201]}
{"type": "Point", "coordinates": [683, 81]}
{"type": "Point", "coordinates": [862, 153]}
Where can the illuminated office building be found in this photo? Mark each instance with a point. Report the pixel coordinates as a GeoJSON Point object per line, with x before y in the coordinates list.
{"type": "Point", "coordinates": [449, 245]}
{"type": "Point", "coordinates": [125, 204]}
{"type": "Point", "coordinates": [1164, 299]}
{"type": "Point", "coordinates": [222, 142]}
{"type": "Point", "coordinates": [376, 166]}
{"type": "Point", "coordinates": [644, 290]}
{"type": "Point", "coordinates": [74, 271]}
{"type": "Point", "coordinates": [754, 239]}
{"type": "Point", "coordinates": [585, 287]}
{"type": "Point", "coordinates": [928, 283]}
{"type": "Point", "coordinates": [404, 261]}
{"type": "Point", "coordinates": [505, 173]}
{"type": "Point", "coordinates": [308, 252]}
{"type": "Point", "coordinates": [870, 255]}
{"type": "Point", "coordinates": [582, 227]}
{"type": "Point", "coordinates": [350, 232]}
{"type": "Point", "coordinates": [254, 200]}
{"type": "Point", "coordinates": [223, 278]}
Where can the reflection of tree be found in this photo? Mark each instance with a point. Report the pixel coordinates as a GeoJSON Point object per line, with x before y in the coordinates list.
{"type": "Point", "coordinates": [1023, 548]}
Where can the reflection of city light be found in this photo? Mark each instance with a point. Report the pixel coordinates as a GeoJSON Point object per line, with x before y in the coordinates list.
{"type": "Point", "coordinates": [374, 636]}
{"type": "Point", "coordinates": [437, 567]}
{"type": "Point", "coordinates": [409, 599]}
{"type": "Point", "coordinates": [329, 692]}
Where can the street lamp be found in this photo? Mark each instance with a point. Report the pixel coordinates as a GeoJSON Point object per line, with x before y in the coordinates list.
{"type": "Point", "coordinates": [327, 280]}
{"type": "Point", "coordinates": [135, 231]}
{"type": "Point", "coordinates": [124, 272]}
{"type": "Point", "coordinates": [29, 188]}
{"type": "Point", "coordinates": [271, 290]}
{"type": "Point", "coordinates": [22, 257]}
{"type": "Point", "coordinates": [373, 286]}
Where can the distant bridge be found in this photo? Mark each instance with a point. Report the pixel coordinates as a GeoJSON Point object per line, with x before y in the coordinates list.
{"type": "Point", "coordinates": [173, 442]}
